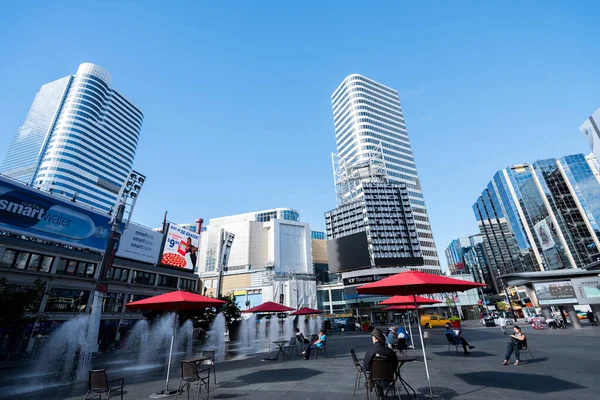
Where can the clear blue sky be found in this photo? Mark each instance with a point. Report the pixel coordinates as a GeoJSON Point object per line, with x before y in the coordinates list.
{"type": "Point", "coordinates": [236, 97]}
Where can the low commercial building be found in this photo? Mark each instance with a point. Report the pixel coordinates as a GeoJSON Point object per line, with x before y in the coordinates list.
{"type": "Point", "coordinates": [259, 256]}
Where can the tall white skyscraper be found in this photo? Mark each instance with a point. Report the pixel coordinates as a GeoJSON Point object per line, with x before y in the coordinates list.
{"type": "Point", "coordinates": [79, 139]}
{"type": "Point", "coordinates": [370, 130]}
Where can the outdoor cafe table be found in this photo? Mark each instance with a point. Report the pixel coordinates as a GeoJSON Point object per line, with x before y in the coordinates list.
{"type": "Point", "coordinates": [197, 359]}
{"type": "Point", "coordinates": [280, 344]}
{"type": "Point", "coordinates": [401, 361]}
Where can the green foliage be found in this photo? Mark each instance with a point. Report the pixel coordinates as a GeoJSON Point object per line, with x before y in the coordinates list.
{"type": "Point", "coordinates": [202, 318]}
{"type": "Point", "coordinates": [454, 319]}
{"type": "Point", "coordinates": [501, 306]}
{"type": "Point", "coordinates": [362, 304]}
{"type": "Point", "coordinates": [450, 302]}
{"type": "Point", "coordinates": [19, 305]}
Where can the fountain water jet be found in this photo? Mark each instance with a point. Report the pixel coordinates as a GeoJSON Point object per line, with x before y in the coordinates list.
{"type": "Point", "coordinates": [216, 337]}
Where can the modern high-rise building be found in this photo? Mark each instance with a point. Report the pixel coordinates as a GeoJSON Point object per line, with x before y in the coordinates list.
{"type": "Point", "coordinates": [467, 256]}
{"type": "Point", "coordinates": [591, 130]}
{"type": "Point", "coordinates": [369, 128]}
{"type": "Point", "coordinates": [79, 139]}
{"type": "Point", "coordinates": [541, 216]}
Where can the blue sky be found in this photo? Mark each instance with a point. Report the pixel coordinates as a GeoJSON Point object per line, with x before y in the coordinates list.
{"type": "Point", "coordinates": [236, 95]}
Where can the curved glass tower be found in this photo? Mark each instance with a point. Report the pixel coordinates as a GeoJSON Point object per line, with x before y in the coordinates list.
{"type": "Point", "coordinates": [369, 128]}
{"type": "Point", "coordinates": [78, 139]}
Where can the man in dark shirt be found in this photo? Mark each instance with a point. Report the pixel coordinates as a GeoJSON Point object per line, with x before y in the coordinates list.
{"type": "Point", "coordinates": [379, 349]}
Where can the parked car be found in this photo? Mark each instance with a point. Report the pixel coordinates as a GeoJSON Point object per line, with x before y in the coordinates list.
{"type": "Point", "coordinates": [429, 321]}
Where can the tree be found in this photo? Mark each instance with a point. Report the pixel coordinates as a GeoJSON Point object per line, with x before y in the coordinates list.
{"type": "Point", "coordinates": [203, 318]}
{"type": "Point", "coordinates": [502, 306]}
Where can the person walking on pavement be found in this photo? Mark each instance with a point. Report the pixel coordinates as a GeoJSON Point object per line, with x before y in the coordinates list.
{"type": "Point", "coordinates": [502, 323]}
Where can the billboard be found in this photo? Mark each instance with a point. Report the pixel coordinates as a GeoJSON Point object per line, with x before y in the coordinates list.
{"type": "Point", "coordinates": [180, 248]}
{"type": "Point", "coordinates": [550, 293]}
{"type": "Point", "coordinates": [140, 244]}
{"type": "Point", "coordinates": [32, 212]}
{"type": "Point", "coordinates": [544, 235]}
{"type": "Point", "coordinates": [348, 252]}
{"type": "Point", "coordinates": [587, 289]}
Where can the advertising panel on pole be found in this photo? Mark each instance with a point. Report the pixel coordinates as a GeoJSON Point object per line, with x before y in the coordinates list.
{"type": "Point", "coordinates": [140, 244]}
{"type": "Point", "coordinates": [180, 248]}
{"type": "Point", "coordinates": [32, 212]}
{"type": "Point", "coordinates": [587, 289]}
{"type": "Point", "coordinates": [550, 293]}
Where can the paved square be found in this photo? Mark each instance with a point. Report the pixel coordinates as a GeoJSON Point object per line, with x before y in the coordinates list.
{"type": "Point", "coordinates": [565, 365]}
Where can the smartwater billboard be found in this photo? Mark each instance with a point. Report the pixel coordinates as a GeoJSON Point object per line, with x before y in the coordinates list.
{"type": "Point", "coordinates": [32, 212]}
{"type": "Point", "coordinates": [140, 244]}
{"type": "Point", "coordinates": [181, 248]}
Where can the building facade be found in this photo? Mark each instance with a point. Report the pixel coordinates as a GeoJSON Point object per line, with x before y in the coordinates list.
{"type": "Point", "coordinates": [369, 125]}
{"type": "Point", "coordinates": [591, 131]}
{"type": "Point", "coordinates": [269, 258]}
{"type": "Point", "coordinates": [467, 256]}
{"type": "Point", "coordinates": [541, 216]}
{"type": "Point", "coordinates": [78, 139]}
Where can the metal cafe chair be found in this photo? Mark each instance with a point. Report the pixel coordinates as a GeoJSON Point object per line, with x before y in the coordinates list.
{"type": "Point", "coordinates": [98, 384]}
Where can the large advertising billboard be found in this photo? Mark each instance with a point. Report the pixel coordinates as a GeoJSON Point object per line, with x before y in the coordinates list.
{"type": "Point", "coordinates": [32, 212]}
{"type": "Point", "coordinates": [181, 248]}
{"type": "Point", "coordinates": [587, 289]}
{"type": "Point", "coordinates": [550, 293]}
{"type": "Point", "coordinates": [348, 252]}
{"type": "Point", "coordinates": [140, 244]}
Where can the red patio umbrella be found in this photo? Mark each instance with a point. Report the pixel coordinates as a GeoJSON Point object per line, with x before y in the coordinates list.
{"type": "Point", "coordinates": [269, 307]}
{"type": "Point", "coordinates": [174, 301]}
{"type": "Point", "coordinates": [412, 283]}
{"type": "Point", "coordinates": [398, 308]}
{"type": "Point", "coordinates": [306, 311]}
{"type": "Point", "coordinates": [403, 300]}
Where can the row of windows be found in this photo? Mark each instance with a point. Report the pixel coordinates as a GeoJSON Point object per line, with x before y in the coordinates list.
{"type": "Point", "coordinates": [76, 268]}
{"type": "Point", "coordinates": [401, 176]}
{"type": "Point", "coordinates": [362, 95]}
{"type": "Point", "coordinates": [429, 253]}
{"type": "Point", "coordinates": [424, 227]}
{"type": "Point", "coordinates": [54, 153]}
{"type": "Point", "coordinates": [426, 235]}
{"type": "Point", "coordinates": [112, 138]}
{"type": "Point", "coordinates": [380, 113]}
{"type": "Point", "coordinates": [362, 90]}
{"type": "Point", "coordinates": [80, 199]}
{"type": "Point", "coordinates": [401, 169]}
{"type": "Point", "coordinates": [386, 145]}
{"type": "Point", "coordinates": [390, 158]}
{"type": "Point", "coordinates": [108, 184]}
{"type": "Point", "coordinates": [81, 186]}
{"type": "Point", "coordinates": [432, 263]}
{"type": "Point", "coordinates": [377, 106]}
{"type": "Point", "coordinates": [26, 260]}
{"type": "Point", "coordinates": [427, 244]}
{"type": "Point", "coordinates": [421, 218]}
{"type": "Point", "coordinates": [64, 160]}
{"type": "Point", "coordinates": [380, 88]}
{"type": "Point", "coordinates": [387, 126]}
{"type": "Point", "coordinates": [123, 164]}
{"type": "Point", "coordinates": [415, 194]}
{"type": "Point", "coordinates": [129, 106]}
{"type": "Point", "coordinates": [418, 202]}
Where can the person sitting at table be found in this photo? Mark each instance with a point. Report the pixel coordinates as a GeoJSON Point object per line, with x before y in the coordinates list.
{"type": "Point", "coordinates": [379, 349]}
{"type": "Point", "coordinates": [300, 337]}
{"type": "Point", "coordinates": [458, 338]}
{"type": "Point", "coordinates": [319, 343]}
{"type": "Point", "coordinates": [391, 338]}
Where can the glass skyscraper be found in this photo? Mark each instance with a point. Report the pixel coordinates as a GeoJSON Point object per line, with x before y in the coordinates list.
{"type": "Point", "coordinates": [467, 255]}
{"type": "Point", "coordinates": [369, 128]}
{"type": "Point", "coordinates": [541, 216]}
{"type": "Point", "coordinates": [79, 139]}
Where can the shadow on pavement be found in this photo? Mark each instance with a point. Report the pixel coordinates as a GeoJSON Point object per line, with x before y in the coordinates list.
{"type": "Point", "coordinates": [229, 396]}
{"type": "Point", "coordinates": [472, 354]}
{"type": "Point", "coordinates": [518, 381]}
{"type": "Point", "coordinates": [438, 392]}
{"type": "Point", "coordinates": [269, 376]}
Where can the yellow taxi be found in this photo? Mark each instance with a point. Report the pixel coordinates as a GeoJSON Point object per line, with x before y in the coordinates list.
{"type": "Point", "coordinates": [429, 321]}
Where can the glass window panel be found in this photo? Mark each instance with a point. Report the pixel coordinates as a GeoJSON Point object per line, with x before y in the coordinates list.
{"type": "Point", "coordinates": [21, 261]}
{"type": "Point", "coordinates": [71, 266]}
{"type": "Point", "coordinates": [8, 258]}
{"type": "Point", "coordinates": [46, 264]}
{"type": "Point", "coordinates": [34, 262]}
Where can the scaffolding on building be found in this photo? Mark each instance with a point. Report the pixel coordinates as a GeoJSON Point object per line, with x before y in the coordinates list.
{"type": "Point", "coordinates": [349, 173]}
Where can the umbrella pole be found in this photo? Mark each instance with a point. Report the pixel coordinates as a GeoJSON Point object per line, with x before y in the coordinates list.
{"type": "Point", "coordinates": [423, 348]}
{"type": "Point", "coordinates": [412, 338]}
{"type": "Point", "coordinates": [171, 351]}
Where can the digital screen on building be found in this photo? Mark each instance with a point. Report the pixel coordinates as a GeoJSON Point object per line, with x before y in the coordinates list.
{"type": "Point", "coordinates": [549, 293]}
{"type": "Point", "coordinates": [348, 252]}
{"type": "Point", "coordinates": [587, 289]}
{"type": "Point", "coordinates": [399, 261]}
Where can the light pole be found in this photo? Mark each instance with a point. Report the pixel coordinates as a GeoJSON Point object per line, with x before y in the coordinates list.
{"type": "Point", "coordinates": [126, 200]}
{"type": "Point", "coordinates": [225, 248]}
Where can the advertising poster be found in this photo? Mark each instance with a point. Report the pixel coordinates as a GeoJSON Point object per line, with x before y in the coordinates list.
{"type": "Point", "coordinates": [140, 244]}
{"type": "Point", "coordinates": [549, 293]}
{"type": "Point", "coordinates": [587, 289]}
{"type": "Point", "coordinates": [544, 235]}
{"type": "Point", "coordinates": [32, 212]}
{"type": "Point", "coordinates": [181, 248]}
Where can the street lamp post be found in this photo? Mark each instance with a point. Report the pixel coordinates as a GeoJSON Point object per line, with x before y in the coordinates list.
{"type": "Point", "coordinates": [129, 192]}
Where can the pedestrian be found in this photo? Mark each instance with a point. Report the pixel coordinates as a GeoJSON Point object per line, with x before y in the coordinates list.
{"type": "Point", "coordinates": [318, 343]}
{"type": "Point", "coordinates": [516, 343]}
{"type": "Point", "coordinates": [592, 318]}
{"type": "Point", "coordinates": [502, 323]}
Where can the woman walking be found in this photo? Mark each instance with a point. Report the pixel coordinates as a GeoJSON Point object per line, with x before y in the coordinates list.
{"type": "Point", "coordinates": [515, 344]}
